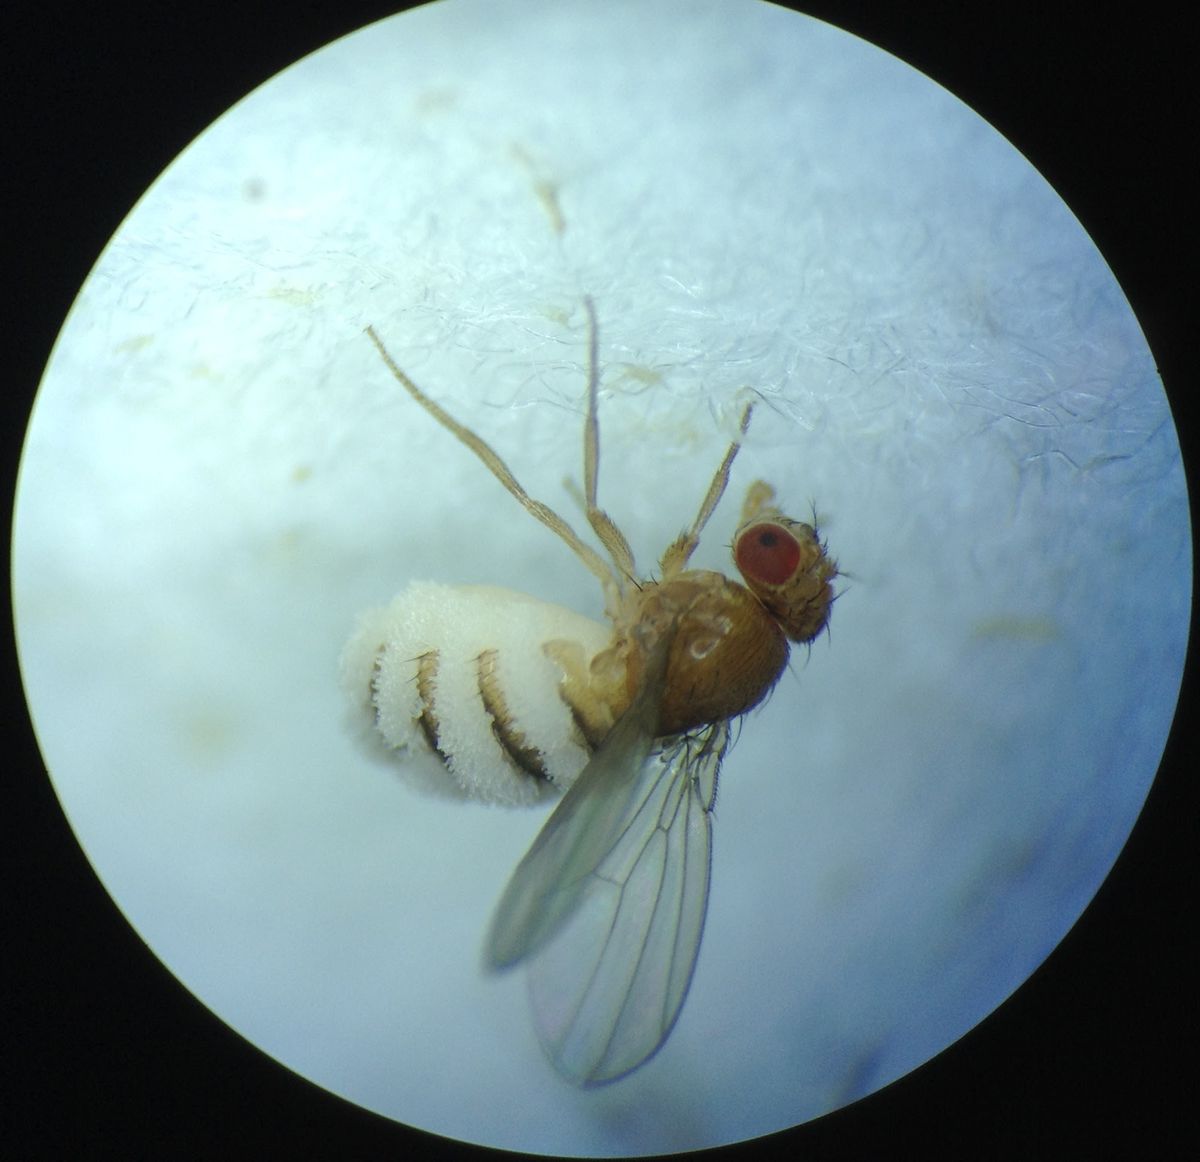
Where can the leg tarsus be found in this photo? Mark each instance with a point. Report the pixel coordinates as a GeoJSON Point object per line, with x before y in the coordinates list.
{"type": "Point", "coordinates": [602, 524]}
{"type": "Point", "coordinates": [675, 559]}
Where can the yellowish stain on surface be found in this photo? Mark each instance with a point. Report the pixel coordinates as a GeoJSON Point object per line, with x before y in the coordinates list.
{"type": "Point", "coordinates": [292, 295]}
{"type": "Point", "coordinates": [436, 100]}
{"type": "Point", "coordinates": [545, 189]}
{"type": "Point", "coordinates": [1014, 628]}
{"type": "Point", "coordinates": [210, 734]}
{"type": "Point", "coordinates": [134, 344]}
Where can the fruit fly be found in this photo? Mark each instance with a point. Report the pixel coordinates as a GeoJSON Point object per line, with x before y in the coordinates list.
{"type": "Point", "coordinates": [607, 907]}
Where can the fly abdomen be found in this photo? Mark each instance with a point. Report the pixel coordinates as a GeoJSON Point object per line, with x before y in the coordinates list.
{"type": "Point", "coordinates": [427, 668]}
{"type": "Point", "coordinates": [461, 671]}
{"type": "Point", "coordinates": [510, 737]}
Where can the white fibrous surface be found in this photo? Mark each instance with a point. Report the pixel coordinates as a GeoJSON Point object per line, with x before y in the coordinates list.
{"type": "Point", "coordinates": [220, 473]}
{"type": "Point", "coordinates": [459, 623]}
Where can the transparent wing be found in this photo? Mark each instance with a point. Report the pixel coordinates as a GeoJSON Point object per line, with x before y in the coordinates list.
{"type": "Point", "coordinates": [607, 908]}
{"type": "Point", "coordinates": [608, 987]}
{"type": "Point", "coordinates": [550, 880]}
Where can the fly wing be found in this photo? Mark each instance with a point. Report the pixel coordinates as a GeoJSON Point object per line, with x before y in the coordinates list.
{"type": "Point", "coordinates": [608, 905]}
{"type": "Point", "coordinates": [608, 986]}
{"type": "Point", "coordinates": [550, 880]}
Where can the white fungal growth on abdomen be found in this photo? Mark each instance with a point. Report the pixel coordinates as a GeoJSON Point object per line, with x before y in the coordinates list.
{"type": "Point", "coordinates": [460, 670]}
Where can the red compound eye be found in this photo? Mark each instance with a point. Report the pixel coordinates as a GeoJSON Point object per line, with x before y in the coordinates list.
{"type": "Point", "coordinates": [767, 553]}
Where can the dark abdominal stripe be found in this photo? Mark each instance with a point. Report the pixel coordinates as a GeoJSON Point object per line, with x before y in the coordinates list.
{"type": "Point", "coordinates": [427, 668]}
{"type": "Point", "coordinates": [512, 741]}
